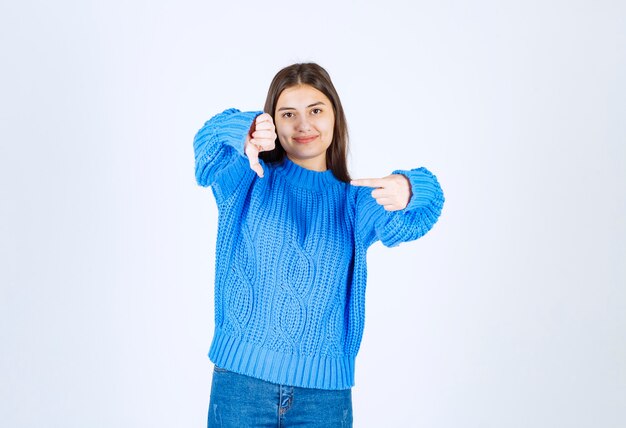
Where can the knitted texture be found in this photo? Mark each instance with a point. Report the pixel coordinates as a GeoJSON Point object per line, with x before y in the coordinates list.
{"type": "Point", "coordinates": [290, 268]}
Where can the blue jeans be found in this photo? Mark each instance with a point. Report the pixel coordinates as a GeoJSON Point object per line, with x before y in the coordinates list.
{"type": "Point", "coordinates": [240, 401]}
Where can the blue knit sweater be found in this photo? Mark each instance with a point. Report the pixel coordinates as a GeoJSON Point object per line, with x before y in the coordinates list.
{"type": "Point", "coordinates": [290, 269]}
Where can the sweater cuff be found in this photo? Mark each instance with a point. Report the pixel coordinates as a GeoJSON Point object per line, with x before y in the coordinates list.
{"type": "Point", "coordinates": [424, 187]}
{"type": "Point", "coordinates": [235, 127]}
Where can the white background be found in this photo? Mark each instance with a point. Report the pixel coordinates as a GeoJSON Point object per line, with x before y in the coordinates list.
{"type": "Point", "coordinates": [511, 312]}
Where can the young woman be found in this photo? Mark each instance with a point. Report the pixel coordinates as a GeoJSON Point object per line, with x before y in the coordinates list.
{"type": "Point", "coordinates": [293, 232]}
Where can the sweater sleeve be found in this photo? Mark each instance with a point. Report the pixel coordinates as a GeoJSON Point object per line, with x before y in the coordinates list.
{"type": "Point", "coordinates": [218, 149]}
{"type": "Point", "coordinates": [374, 223]}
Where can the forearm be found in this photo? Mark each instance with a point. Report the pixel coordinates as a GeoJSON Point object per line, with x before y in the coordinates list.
{"type": "Point", "coordinates": [221, 138]}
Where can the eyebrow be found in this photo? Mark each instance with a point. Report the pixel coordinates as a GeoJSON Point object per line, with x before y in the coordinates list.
{"type": "Point", "coordinates": [310, 105]}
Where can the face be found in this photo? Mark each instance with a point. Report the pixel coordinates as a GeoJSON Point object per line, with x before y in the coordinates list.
{"type": "Point", "coordinates": [304, 120]}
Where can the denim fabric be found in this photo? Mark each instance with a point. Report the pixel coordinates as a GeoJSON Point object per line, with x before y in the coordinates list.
{"type": "Point", "coordinates": [239, 401]}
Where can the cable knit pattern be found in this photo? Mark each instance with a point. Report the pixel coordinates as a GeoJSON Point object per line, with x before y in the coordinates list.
{"type": "Point", "coordinates": [291, 258]}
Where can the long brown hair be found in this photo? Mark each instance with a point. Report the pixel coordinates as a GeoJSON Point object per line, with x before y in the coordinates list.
{"type": "Point", "coordinates": [313, 75]}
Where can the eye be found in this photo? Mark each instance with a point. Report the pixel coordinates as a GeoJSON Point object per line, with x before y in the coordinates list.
{"type": "Point", "coordinates": [288, 114]}
{"type": "Point", "coordinates": [316, 110]}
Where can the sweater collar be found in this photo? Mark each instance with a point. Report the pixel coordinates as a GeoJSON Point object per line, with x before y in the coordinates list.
{"type": "Point", "coordinates": [307, 178]}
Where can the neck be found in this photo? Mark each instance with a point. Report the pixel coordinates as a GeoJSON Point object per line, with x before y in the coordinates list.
{"type": "Point", "coordinates": [300, 176]}
{"type": "Point", "coordinates": [318, 165]}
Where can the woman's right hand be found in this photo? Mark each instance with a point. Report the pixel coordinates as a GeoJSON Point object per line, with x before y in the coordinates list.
{"type": "Point", "coordinates": [262, 137]}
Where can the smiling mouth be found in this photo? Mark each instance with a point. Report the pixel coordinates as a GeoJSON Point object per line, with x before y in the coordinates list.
{"type": "Point", "coordinates": [304, 140]}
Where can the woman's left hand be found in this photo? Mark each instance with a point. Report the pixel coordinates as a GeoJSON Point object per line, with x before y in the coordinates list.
{"type": "Point", "coordinates": [392, 192]}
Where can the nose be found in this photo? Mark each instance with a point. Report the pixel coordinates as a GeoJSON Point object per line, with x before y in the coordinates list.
{"type": "Point", "coordinates": [303, 124]}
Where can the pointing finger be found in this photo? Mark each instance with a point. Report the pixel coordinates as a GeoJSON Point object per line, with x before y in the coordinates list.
{"type": "Point", "coordinates": [258, 169]}
{"type": "Point", "coordinates": [252, 152]}
{"type": "Point", "coordinates": [368, 182]}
